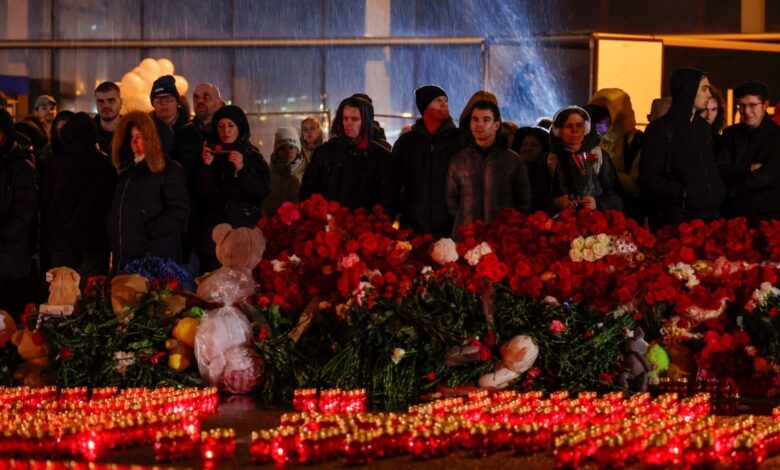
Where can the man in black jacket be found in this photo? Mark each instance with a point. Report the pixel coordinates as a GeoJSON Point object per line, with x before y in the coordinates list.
{"type": "Point", "coordinates": [352, 168]}
{"type": "Point", "coordinates": [677, 170]}
{"type": "Point", "coordinates": [108, 101]}
{"type": "Point", "coordinates": [187, 143]}
{"type": "Point", "coordinates": [18, 213]}
{"type": "Point", "coordinates": [748, 155]}
{"type": "Point", "coordinates": [422, 157]}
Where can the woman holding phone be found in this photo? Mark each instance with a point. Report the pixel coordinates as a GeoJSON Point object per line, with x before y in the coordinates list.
{"type": "Point", "coordinates": [231, 181]}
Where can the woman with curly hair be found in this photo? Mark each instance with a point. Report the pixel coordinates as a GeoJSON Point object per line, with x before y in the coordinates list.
{"type": "Point", "coordinates": [150, 206]}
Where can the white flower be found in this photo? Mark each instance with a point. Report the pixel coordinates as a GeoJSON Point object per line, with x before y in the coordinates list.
{"type": "Point", "coordinates": [278, 265]}
{"type": "Point", "coordinates": [349, 261]}
{"type": "Point", "coordinates": [578, 243]}
{"type": "Point", "coordinates": [699, 314]}
{"type": "Point", "coordinates": [601, 250]}
{"type": "Point", "coordinates": [294, 259]}
{"type": "Point", "coordinates": [474, 255]}
{"type": "Point", "coordinates": [684, 272]}
{"type": "Point", "coordinates": [398, 354]}
{"type": "Point", "coordinates": [603, 239]}
{"type": "Point", "coordinates": [444, 251]}
{"type": "Point", "coordinates": [575, 255]}
{"type": "Point", "coordinates": [588, 255]}
{"type": "Point", "coordinates": [764, 291]}
{"type": "Point", "coordinates": [123, 360]}
{"type": "Point", "coordinates": [550, 300]}
{"type": "Point", "coordinates": [426, 271]}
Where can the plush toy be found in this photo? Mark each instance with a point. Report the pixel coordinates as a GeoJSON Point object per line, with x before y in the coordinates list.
{"type": "Point", "coordinates": [7, 328]}
{"type": "Point", "coordinates": [127, 291]}
{"type": "Point", "coordinates": [36, 359]}
{"type": "Point", "coordinates": [63, 291]}
{"type": "Point", "coordinates": [517, 356]}
{"type": "Point", "coordinates": [180, 347]}
{"type": "Point", "coordinates": [223, 343]}
{"type": "Point", "coordinates": [658, 358]}
{"type": "Point", "coordinates": [633, 364]}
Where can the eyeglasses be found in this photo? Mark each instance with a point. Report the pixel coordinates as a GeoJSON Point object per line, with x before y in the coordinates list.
{"type": "Point", "coordinates": [164, 99]}
{"type": "Point", "coordinates": [744, 106]}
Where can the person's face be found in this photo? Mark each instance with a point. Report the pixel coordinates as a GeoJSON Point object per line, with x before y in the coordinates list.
{"type": "Point", "coordinates": [352, 122]}
{"type": "Point", "coordinates": [710, 112]}
{"type": "Point", "coordinates": [206, 101]}
{"type": "Point", "coordinates": [573, 131]}
{"type": "Point", "coordinates": [47, 111]}
{"type": "Point", "coordinates": [483, 125]}
{"type": "Point", "coordinates": [703, 94]}
{"type": "Point", "coordinates": [227, 131]}
{"type": "Point", "coordinates": [439, 108]}
{"type": "Point", "coordinates": [530, 149]}
{"type": "Point", "coordinates": [136, 141]}
{"type": "Point", "coordinates": [108, 104]}
{"type": "Point", "coordinates": [287, 152]}
{"type": "Point", "coordinates": [165, 107]}
{"type": "Point", "coordinates": [751, 109]}
{"type": "Point", "coordinates": [310, 132]}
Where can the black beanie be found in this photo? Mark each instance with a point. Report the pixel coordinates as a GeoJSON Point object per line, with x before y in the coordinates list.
{"type": "Point", "coordinates": [425, 94]}
{"type": "Point", "coordinates": [164, 85]}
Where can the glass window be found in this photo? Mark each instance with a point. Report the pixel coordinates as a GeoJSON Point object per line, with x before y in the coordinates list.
{"type": "Point", "coordinates": [285, 19]}
{"type": "Point", "coordinates": [178, 19]}
{"type": "Point", "coordinates": [81, 70]}
{"type": "Point", "coordinates": [96, 19]}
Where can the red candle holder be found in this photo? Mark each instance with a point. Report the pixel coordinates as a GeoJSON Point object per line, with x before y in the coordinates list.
{"type": "Point", "coordinates": [173, 445]}
{"type": "Point", "coordinates": [305, 399]}
{"type": "Point", "coordinates": [218, 444]}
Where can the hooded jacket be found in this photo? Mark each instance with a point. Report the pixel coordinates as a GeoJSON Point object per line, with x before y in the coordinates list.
{"type": "Point", "coordinates": [481, 182]}
{"type": "Point", "coordinates": [76, 192]}
{"type": "Point", "coordinates": [621, 137]}
{"type": "Point", "coordinates": [678, 170]}
{"type": "Point", "coordinates": [422, 160]}
{"type": "Point", "coordinates": [340, 170]}
{"type": "Point", "coordinates": [556, 173]}
{"type": "Point", "coordinates": [18, 203]}
{"type": "Point", "coordinates": [751, 194]}
{"type": "Point", "coordinates": [222, 194]}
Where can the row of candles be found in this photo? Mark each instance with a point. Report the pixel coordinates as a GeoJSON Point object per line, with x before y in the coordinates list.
{"type": "Point", "coordinates": [76, 422]}
{"type": "Point", "coordinates": [610, 430]}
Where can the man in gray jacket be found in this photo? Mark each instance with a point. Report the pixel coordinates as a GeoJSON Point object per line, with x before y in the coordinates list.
{"type": "Point", "coordinates": [486, 176]}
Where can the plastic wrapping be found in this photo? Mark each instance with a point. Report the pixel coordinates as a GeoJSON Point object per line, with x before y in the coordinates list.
{"type": "Point", "coordinates": [223, 344]}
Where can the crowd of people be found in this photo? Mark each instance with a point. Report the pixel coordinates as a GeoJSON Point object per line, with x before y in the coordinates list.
{"type": "Point", "coordinates": [96, 192]}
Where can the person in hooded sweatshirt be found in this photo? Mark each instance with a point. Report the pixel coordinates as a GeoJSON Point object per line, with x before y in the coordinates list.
{"type": "Point", "coordinates": [150, 206]}
{"type": "Point", "coordinates": [76, 196]}
{"type": "Point", "coordinates": [486, 176]}
{"type": "Point", "coordinates": [231, 181]}
{"type": "Point", "coordinates": [352, 168]}
{"type": "Point", "coordinates": [18, 213]}
{"type": "Point", "coordinates": [623, 142]}
{"type": "Point", "coordinates": [422, 157]}
{"type": "Point", "coordinates": [288, 164]}
{"type": "Point", "coordinates": [577, 172]}
{"type": "Point", "coordinates": [677, 170]}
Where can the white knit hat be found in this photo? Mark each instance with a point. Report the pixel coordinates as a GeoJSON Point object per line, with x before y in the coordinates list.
{"type": "Point", "coordinates": [287, 135]}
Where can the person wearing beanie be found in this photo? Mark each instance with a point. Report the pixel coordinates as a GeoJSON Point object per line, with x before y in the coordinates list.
{"type": "Point", "coordinates": [46, 108]}
{"type": "Point", "coordinates": [18, 215]}
{"type": "Point", "coordinates": [677, 171]}
{"type": "Point", "coordinates": [422, 157]}
{"type": "Point", "coordinates": [352, 168]}
{"type": "Point", "coordinates": [748, 158]}
{"type": "Point", "coordinates": [187, 141]}
{"type": "Point", "coordinates": [230, 182]}
{"type": "Point", "coordinates": [486, 176]}
{"type": "Point", "coordinates": [288, 164]}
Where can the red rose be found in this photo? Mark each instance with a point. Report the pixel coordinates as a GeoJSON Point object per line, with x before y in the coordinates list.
{"type": "Point", "coordinates": [66, 353]}
{"type": "Point", "coordinates": [431, 376]}
{"type": "Point", "coordinates": [288, 213]}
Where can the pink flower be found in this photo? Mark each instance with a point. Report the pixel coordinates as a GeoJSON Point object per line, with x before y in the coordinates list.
{"type": "Point", "coordinates": [557, 327]}
{"type": "Point", "coordinates": [289, 213]}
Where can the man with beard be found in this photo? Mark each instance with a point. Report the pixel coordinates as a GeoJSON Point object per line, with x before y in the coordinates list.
{"type": "Point", "coordinates": [748, 155]}
{"type": "Point", "coordinates": [677, 171]}
{"type": "Point", "coordinates": [422, 157]}
{"type": "Point", "coordinates": [108, 101]}
{"type": "Point", "coordinates": [18, 214]}
{"type": "Point", "coordinates": [207, 101]}
{"type": "Point", "coordinates": [46, 109]}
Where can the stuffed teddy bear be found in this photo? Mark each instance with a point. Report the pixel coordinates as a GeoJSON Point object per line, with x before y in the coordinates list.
{"type": "Point", "coordinates": [517, 356]}
{"type": "Point", "coordinates": [634, 367]}
{"type": "Point", "coordinates": [36, 359]}
{"type": "Point", "coordinates": [127, 290]}
{"type": "Point", "coordinates": [63, 291]}
{"type": "Point", "coordinates": [223, 343]}
{"type": "Point", "coordinates": [180, 347]}
{"type": "Point", "coordinates": [7, 328]}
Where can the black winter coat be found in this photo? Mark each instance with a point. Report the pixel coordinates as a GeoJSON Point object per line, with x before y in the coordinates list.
{"type": "Point", "coordinates": [223, 195]}
{"type": "Point", "coordinates": [76, 193]}
{"type": "Point", "coordinates": [751, 194]}
{"type": "Point", "coordinates": [422, 161]}
{"type": "Point", "coordinates": [677, 171]}
{"type": "Point", "coordinates": [18, 210]}
{"type": "Point", "coordinates": [104, 137]}
{"type": "Point", "coordinates": [148, 213]}
{"type": "Point", "coordinates": [353, 177]}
